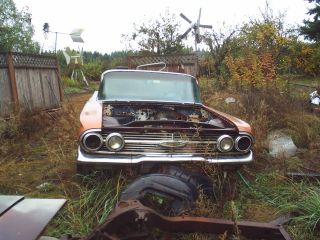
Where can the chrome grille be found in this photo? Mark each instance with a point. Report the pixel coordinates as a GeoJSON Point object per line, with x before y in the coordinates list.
{"type": "Point", "coordinates": [156, 143]}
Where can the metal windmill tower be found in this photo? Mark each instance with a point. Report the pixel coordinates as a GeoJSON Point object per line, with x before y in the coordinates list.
{"type": "Point", "coordinates": [76, 61]}
{"type": "Point", "coordinates": [195, 26]}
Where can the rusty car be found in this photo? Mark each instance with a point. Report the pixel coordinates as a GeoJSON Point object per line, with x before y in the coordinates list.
{"type": "Point", "coordinates": [150, 117]}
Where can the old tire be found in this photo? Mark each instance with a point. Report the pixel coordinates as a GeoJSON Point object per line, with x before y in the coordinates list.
{"type": "Point", "coordinates": [180, 195]}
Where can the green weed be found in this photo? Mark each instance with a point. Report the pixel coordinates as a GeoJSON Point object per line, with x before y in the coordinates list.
{"type": "Point", "coordinates": [97, 198]}
{"type": "Point", "coordinates": [301, 198]}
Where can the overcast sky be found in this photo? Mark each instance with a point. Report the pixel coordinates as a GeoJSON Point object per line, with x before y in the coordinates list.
{"type": "Point", "coordinates": [105, 21]}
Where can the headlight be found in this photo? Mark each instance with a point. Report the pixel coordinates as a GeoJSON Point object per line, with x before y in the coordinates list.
{"type": "Point", "coordinates": [225, 143]}
{"type": "Point", "coordinates": [243, 143]}
{"type": "Point", "coordinates": [92, 141]}
{"type": "Point", "coordinates": [114, 142]}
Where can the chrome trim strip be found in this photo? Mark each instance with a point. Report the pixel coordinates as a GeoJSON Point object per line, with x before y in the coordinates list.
{"type": "Point", "coordinates": [118, 159]}
{"type": "Point", "coordinates": [146, 71]}
{"type": "Point", "coordinates": [152, 64]}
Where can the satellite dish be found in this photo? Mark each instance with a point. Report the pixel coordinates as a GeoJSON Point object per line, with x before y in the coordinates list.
{"type": "Point", "coordinates": [195, 26]}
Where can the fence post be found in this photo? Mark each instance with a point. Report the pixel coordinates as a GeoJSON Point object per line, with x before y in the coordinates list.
{"type": "Point", "coordinates": [13, 81]}
{"type": "Point", "coordinates": [129, 62]}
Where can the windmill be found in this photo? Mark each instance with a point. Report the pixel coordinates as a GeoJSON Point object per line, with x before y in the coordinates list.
{"type": "Point", "coordinates": [75, 35]}
{"type": "Point", "coordinates": [195, 26]}
{"type": "Point", "coordinates": [76, 61]}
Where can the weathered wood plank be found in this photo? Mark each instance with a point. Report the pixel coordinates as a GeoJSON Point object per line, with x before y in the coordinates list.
{"type": "Point", "coordinates": [36, 89]}
{"type": "Point", "coordinates": [5, 93]}
{"type": "Point", "coordinates": [23, 87]}
{"type": "Point", "coordinates": [51, 95]}
{"type": "Point", "coordinates": [13, 83]}
{"type": "Point", "coordinates": [55, 88]}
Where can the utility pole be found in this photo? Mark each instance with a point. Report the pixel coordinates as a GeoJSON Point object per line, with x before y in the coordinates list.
{"type": "Point", "coordinates": [55, 43]}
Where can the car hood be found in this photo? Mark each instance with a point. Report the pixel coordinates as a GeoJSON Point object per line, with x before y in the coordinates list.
{"type": "Point", "coordinates": [98, 114]}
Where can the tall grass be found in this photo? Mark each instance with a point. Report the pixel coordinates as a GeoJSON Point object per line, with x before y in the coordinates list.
{"type": "Point", "coordinates": [77, 86]}
{"type": "Point", "coordinates": [40, 149]}
{"type": "Point", "coordinates": [307, 208]}
{"type": "Point", "coordinates": [96, 198]}
{"type": "Point", "coordinates": [301, 198]}
{"type": "Point", "coordinates": [266, 110]}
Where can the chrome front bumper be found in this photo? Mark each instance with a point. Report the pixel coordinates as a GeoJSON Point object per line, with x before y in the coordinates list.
{"type": "Point", "coordinates": [86, 158]}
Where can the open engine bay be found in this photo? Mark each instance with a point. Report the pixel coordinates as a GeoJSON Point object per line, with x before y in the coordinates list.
{"type": "Point", "coordinates": [115, 114]}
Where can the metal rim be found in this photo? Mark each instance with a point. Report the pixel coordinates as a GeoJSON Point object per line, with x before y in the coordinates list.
{"type": "Point", "coordinates": [219, 142]}
{"type": "Point", "coordinates": [237, 143]}
{"type": "Point", "coordinates": [92, 134]}
{"type": "Point", "coordinates": [114, 135]}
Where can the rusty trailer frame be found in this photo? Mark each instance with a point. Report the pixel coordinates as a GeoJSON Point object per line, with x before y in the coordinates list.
{"type": "Point", "coordinates": [132, 215]}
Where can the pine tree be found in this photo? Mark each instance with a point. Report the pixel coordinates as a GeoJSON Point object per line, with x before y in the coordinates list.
{"type": "Point", "coordinates": [311, 28]}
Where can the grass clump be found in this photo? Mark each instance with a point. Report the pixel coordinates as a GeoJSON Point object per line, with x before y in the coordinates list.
{"type": "Point", "coordinates": [307, 208]}
{"type": "Point", "coordinates": [300, 198]}
{"type": "Point", "coordinates": [71, 86]}
{"type": "Point", "coordinates": [68, 82]}
{"type": "Point", "coordinates": [96, 199]}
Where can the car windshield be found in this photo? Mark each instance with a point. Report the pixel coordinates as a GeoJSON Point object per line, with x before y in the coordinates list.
{"type": "Point", "coordinates": [148, 86]}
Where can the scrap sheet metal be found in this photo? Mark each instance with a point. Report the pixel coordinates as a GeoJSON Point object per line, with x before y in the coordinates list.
{"type": "Point", "coordinates": [25, 219]}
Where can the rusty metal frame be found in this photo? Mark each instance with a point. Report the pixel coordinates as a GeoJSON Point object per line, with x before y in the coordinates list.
{"type": "Point", "coordinates": [132, 214]}
{"type": "Point", "coordinates": [303, 175]}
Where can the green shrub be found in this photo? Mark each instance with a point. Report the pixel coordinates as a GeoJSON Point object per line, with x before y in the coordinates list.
{"type": "Point", "coordinates": [93, 70]}
{"type": "Point", "coordinates": [68, 82]}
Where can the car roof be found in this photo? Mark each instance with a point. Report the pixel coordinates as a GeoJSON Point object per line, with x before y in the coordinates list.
{"type": "Point", "coordinates": [145, 71]}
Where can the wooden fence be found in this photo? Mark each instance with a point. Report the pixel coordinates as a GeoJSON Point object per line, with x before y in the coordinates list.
{"type": "Point", "coordinates": [186, 63]}
{"type": "Point", "coordinates": [29, 83]}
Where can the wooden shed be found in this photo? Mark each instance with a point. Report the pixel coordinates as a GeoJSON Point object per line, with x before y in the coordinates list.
{"type": "Point", "coordinates": [185, 63]}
